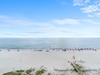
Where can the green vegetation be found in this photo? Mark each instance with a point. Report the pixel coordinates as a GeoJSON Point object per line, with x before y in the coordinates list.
{"type": "Point", "coordinates": [13, 73]}
{"type": "Point", "coordinates": [40, 72]}
{"type": "Point", "coordinates": [49, 74]}
{"type": "Point", "coordinates": [29, 71]}
{"type": "Point", "coordinates": [20, 70]}
{"type": "Point", "coordinates": [43, 71]}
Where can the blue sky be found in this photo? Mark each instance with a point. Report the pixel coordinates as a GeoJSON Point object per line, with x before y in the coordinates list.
{"type": "Point", "coordinates": [50, 18]}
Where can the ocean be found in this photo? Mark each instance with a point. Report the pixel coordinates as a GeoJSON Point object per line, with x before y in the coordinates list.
{"type": "Point", "coordinates": [23, 43]}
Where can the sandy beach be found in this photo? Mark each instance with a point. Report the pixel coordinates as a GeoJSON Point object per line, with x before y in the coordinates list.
{"type": "Point", "coordinates": [25, 59]}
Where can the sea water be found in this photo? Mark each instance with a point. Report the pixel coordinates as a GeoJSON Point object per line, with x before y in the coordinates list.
{"type": "Point", "coordinates": [20, 43]}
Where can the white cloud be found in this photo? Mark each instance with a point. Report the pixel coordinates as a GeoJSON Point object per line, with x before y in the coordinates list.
{"type": "Point", "coordinates": [89, 7]}
{"type": "Point", "coordinates": [4, 26]}
{"type": "Point", "coordinates": [81, 2]}
{"type": "Point", "coordinates": [97, 14]}
{"type": "Point", "coordinates": [90, 22]}
{"type": "Point", "coordinates": [67, 21]}
{"type": "Point", "coordinates": [89, 15]}
{"type": "Point", "coordinates": [65, 30]}
{"type": "Point", "coordinates": [2, 17]}
{"type": "Point", "coordinates": [76, 22]}
{"type": "Point", "coordinates": [20, 22]}
{"type": "Point", "coordinates": [54, 28]}
{"type": "Point", "coordinates": [37, 29]}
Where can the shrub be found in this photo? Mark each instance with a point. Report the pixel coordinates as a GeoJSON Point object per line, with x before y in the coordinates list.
{"type": "Point", "coordinates": [12, 73]}
{"type": "Point", "coordinates": [40, 72]}
{"type": "Point", "coordinates": [29, 71]}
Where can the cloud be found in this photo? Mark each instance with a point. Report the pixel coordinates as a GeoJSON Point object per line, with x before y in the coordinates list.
{"type": "Point", "coordinates": [40, 27]}
{"type": "Point", "coordinates": [20, 22]}
{"type": "Point", "coordinates": [89, 7]}
{"type": "Point", "coordinates": [81, 2]}
{"type": "Point", "coordinates": [2, 17]}
{"type": "Point", "coordinates": [38, 32]}
{"type": "Point", "coordinates": [65, 30]}
{"type": "Point", "coordinates": [9, 21]}
{"type": "Point", "coordinates": [37, 29]}
{"type": "Point", "coordinates": [4, 26]}
{"type": "Point", "coordinates": [67, 22]}
{"type": "Point", "coordinates": [54, 28]}
{"type": "Point", "coordinates": [90, 22]}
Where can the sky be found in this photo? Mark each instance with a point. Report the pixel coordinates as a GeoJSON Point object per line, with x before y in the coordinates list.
{"type": "Point", "coordinates": [49, 18]}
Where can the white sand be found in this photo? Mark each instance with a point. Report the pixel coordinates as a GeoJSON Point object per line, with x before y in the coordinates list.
{"type": "Point", "coordinates": [54, 59]}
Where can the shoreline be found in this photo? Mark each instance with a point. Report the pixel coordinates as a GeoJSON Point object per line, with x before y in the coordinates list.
{"type": "Point", "coordinates": [51, 49]}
